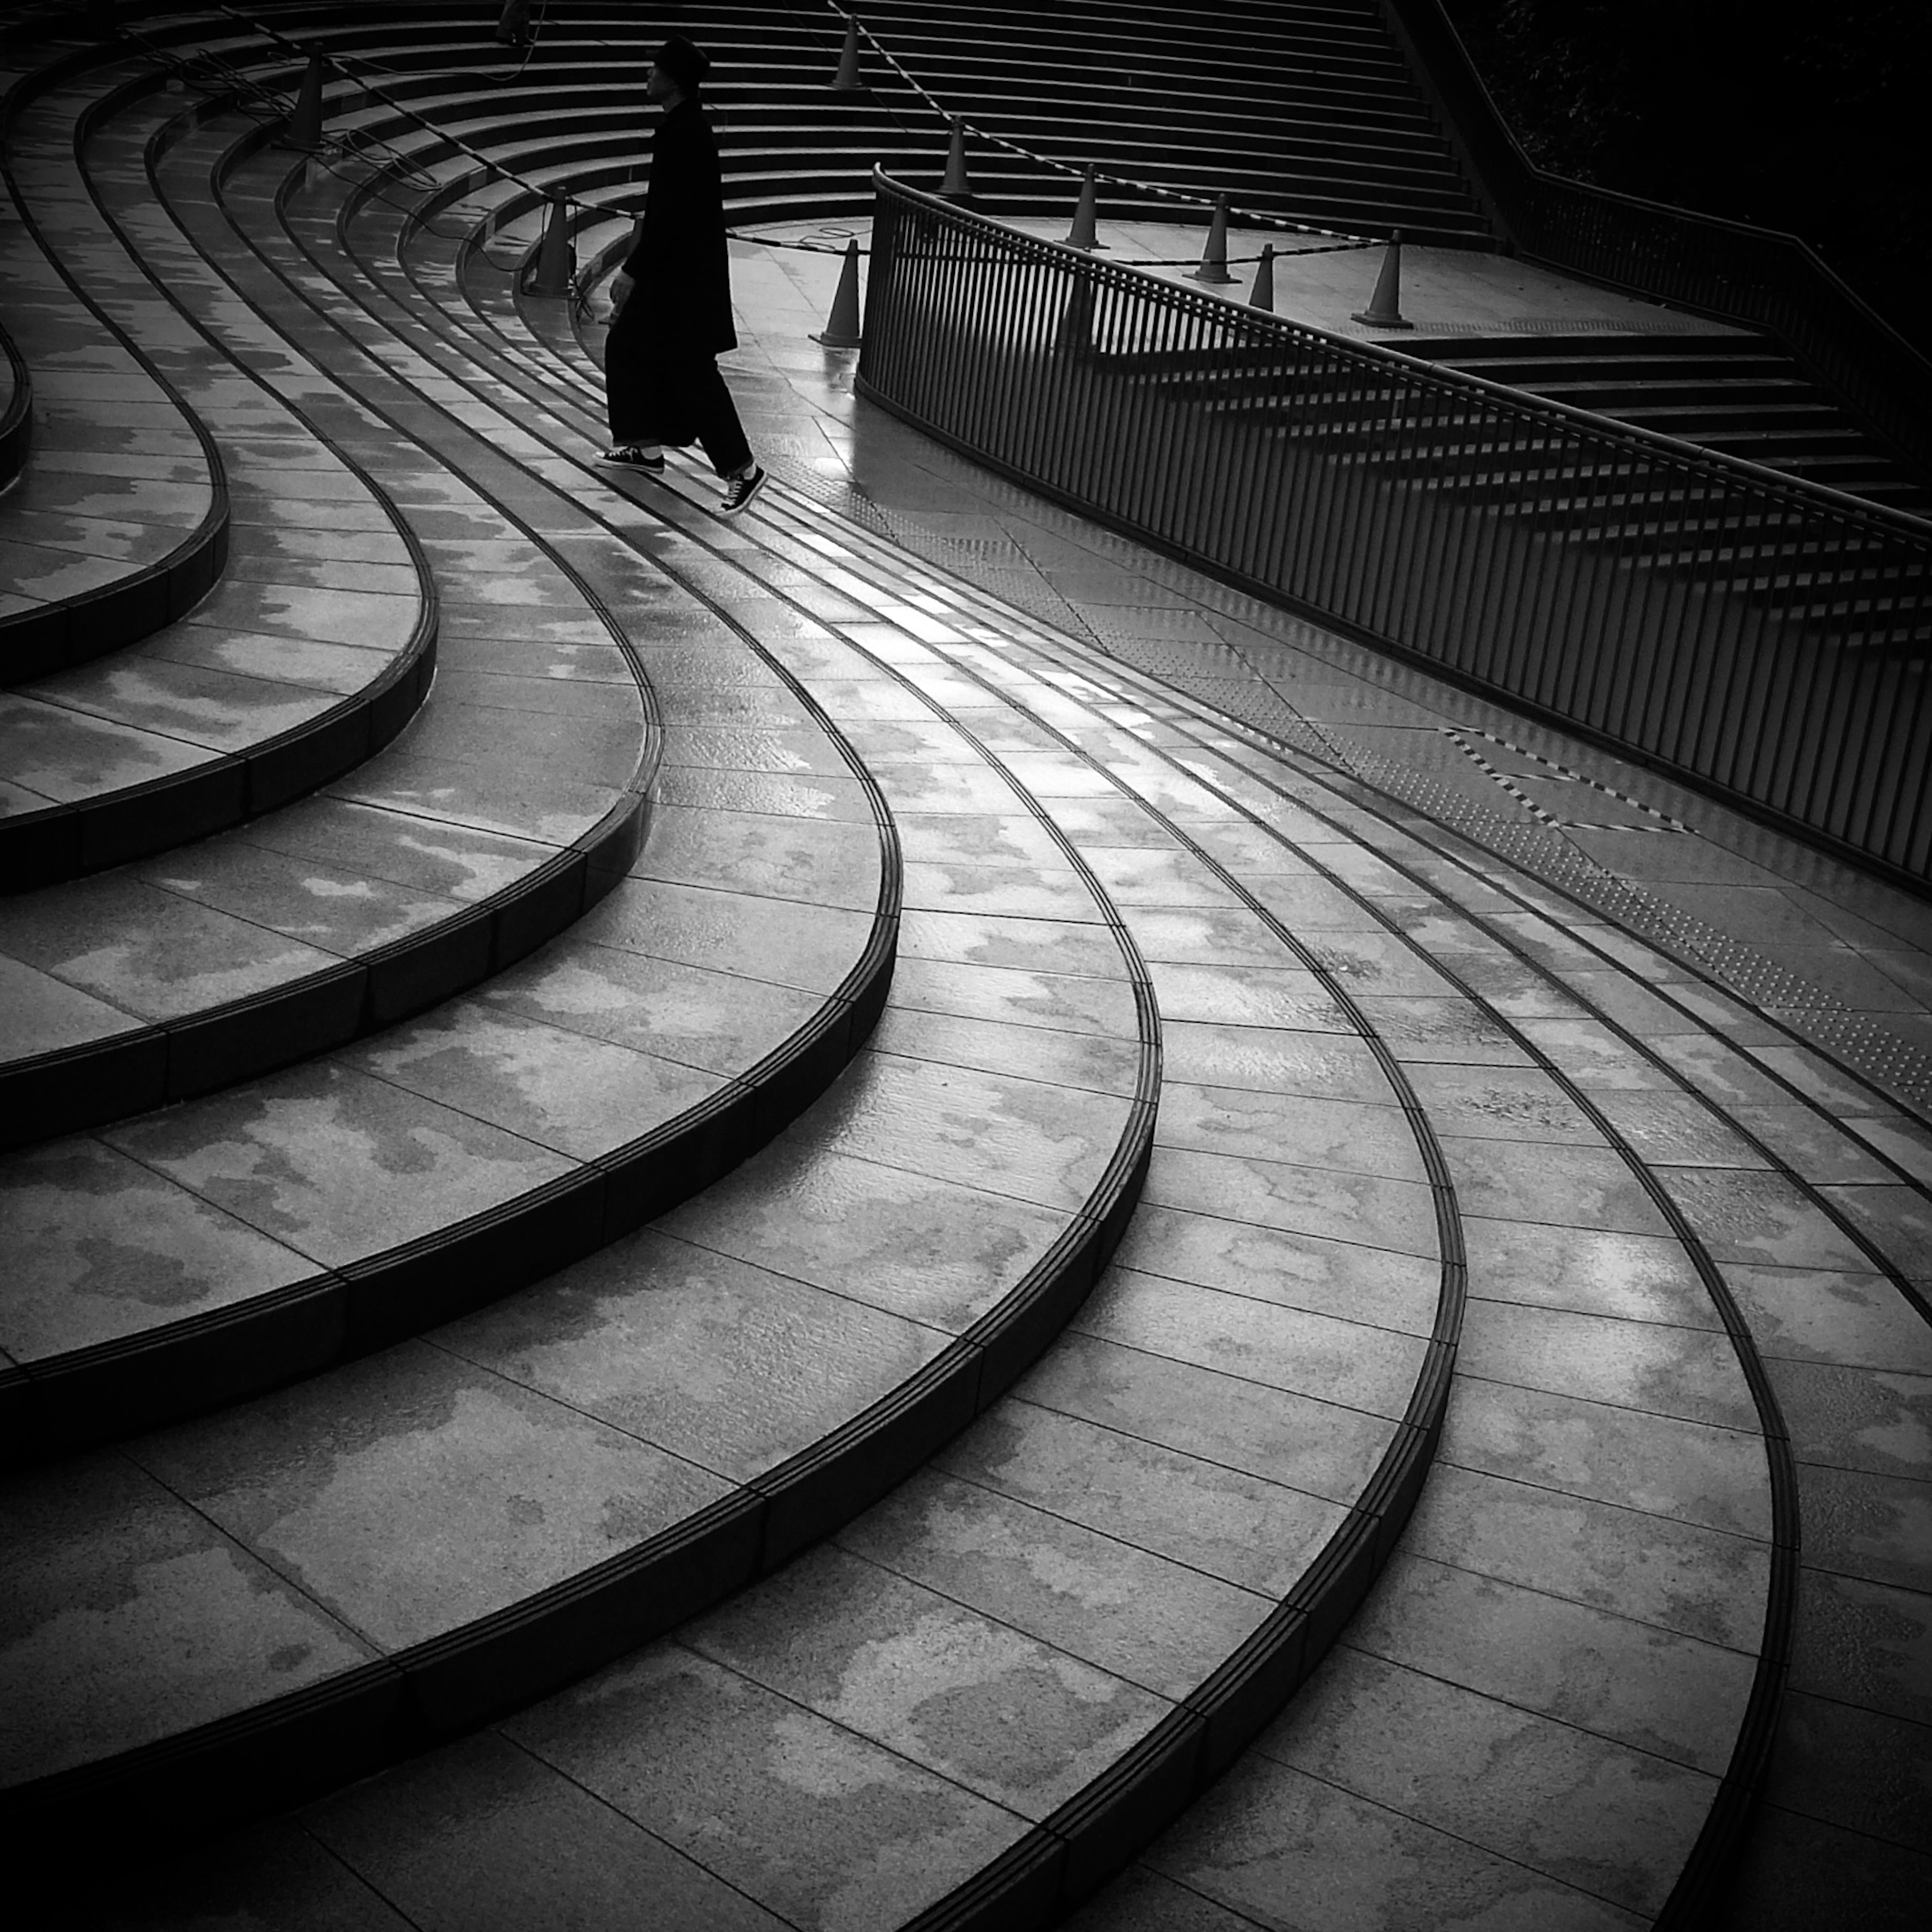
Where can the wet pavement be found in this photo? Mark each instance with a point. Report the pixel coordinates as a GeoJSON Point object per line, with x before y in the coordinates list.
{"type": "Point", "coordinates": [1423, 1038]}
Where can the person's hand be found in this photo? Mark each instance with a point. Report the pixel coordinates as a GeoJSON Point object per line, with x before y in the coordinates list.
{"type": "Point", "coordinates": [621, 286]}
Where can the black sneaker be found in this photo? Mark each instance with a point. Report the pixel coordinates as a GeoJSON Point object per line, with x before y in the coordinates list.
{"type": "Point", "coordinates": [739, 490]}
{"type": "Point", "coordinates": [629, 456]}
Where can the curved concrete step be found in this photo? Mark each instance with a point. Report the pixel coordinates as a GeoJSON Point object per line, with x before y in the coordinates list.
{"type": "Point", "coordinates": [731, 1028]}
{"type": "Point", "coordinates": [1877, 1497]}
{"type": "Point", "coordinates": [16, 409]}
{"type": "Point", "coordinates": [287, 673]}
{"type": "Point", "coordinates": [321, 1211]}
{"type": "Point", "coordinates": [1030, 1653]}
{"type": "Point", "coordinates": [1020, 1180]}
{"type": "Point", "coordinates": [1268, 1658]}
{"type": "Point", "coordinates": [760, 49]}
{"type": "Point", "coordinates": [1644, 1418]}
{"type": "Point", "coordinates": [406, 881]}
{"type": "Point", "coordinates": [399, 885]}
{"type": "Point", "coordinates": [116, 521]}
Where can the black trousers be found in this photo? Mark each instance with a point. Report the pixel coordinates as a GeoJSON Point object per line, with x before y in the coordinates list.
{"type": "Point", "coordinates": [656, 393]}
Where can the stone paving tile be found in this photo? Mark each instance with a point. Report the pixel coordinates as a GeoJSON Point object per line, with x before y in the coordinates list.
{"type": "Point", "coordinates": [62, 755]}
{"type": "Point", "coordinates": [552, 1085]}
{"type": "Point", "coordinates": [1269, 1060]}
{"type": "Point", "coordinates": [931, 1249]}
{"type": "Point", "coordinates": [985, 1705]}
{"type": "Point", "coordinates": [1252, 1532]}
{"type": "Point", "coordinates": [1392, 1289]}
{"type": "Point", "coordinates": [1897, 1219]}
{"type": "Point", "coordinates": [1566, 1186]}
{"type": "Point", "coordinates": [1613, 1453]}
{"type": "Point", "coordinates": [1854, 1418]}
{"type": "Point", "coordinates": [1689, 1373]}
{"type": "Point", "coordinates": [1861, 1770]}
{"type": "Point", "coordinates": [1816, 1147]}
{"type": "Point", "coordinates": [1279, 1840]}
{"type": "Point", "coordinates": [338, 911]}
{"type": "Point", "coordinates": [1010, 892]}
{"type": "Point", "coordinates": [724, 1363]}
{"type": "Point", "coordinates": [1141, 1900]}
{"type": "Point", "coordinates": [781, 1802]}
{"type": "Point", "coordinates": [277, 1872]}
{"type": "Point", "coordinates": [1506, 1104]}
{"type": "Point", "coordinates": [1595, 1273]}
{"type": "Point", "coordinates": [340, 668]}
{"type": "Point", "coordinates": [1610, 1820]}
{"type": "Point", "coordinates": [463, 863]}
{"type": "Point", "coordinates": [1277, 997]}
{"type": "Point", "coordinates": [1365, 1136]}
{"type": "Point", "coordinates": [413, 1493]}
{"type": "Point", "coordinates": [1857, 1318]}
{"type": "Point", "coordinates": [41, 1014]}
{"type": "Point", "coordinates": [1452, 1031]}
{"type": "Point", "coordinates": [215, 709]}
{"type": "Point", "coordinates": [781, 857]}
{"type": "Point", "coordinates": [495, 1859]}
{"type": "Point", "coordinates": [696, 1016]}
{"type": "Point", "coordinates": [1381, 1212]}
{"type": "Point", "coordinates": [1253, 1427]}
{"type": "Point", "coordinates": [1350, 1363]}
{"type": "Point", "coordinates": [1100, 1005]}
{"type": "Point", "coordinates": [114, 1587]}
{"type": "Point", "coordinates": [337, 1164]}
{"type": "Point", "coordinates": [1864, 1644]}
{"type": "Point", "coordinates": [1682, 1577]}
{"type": "Point", "coordinates": [100, 1244]}
{"type": "Point", "coordinates": [1800, 1873]}
{"type": "Point", "coordinates": [552, 809]}
{"type": "Point", "coordinates": [1641, 1277]}
{"type": "Point", "coordinates": [1153, 1622]}
{"type": "Point", "coordinates": [1655, 1691]}
{"type": "Point", "coordinates": [1760, 1218]}
{"type": "Point", "coordinates": [1865, 1524]}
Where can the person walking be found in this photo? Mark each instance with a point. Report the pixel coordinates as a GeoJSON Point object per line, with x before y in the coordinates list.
{"type": "Point", "coordinates": [670, 303]}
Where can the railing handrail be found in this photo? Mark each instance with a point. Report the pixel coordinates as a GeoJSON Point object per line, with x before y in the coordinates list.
{"type": "Point", "coordinates": [1525, 196]}
{"type": "Point", "coordinates": [1718, 466]}
{"type": "Point", "coordinates": [348, 63]}
{"type": "Point", "coordinates": [1748, 631]}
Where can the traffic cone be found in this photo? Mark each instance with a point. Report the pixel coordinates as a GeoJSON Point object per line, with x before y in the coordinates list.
{"type": "Point", "coordinates": [841, 328]}
{"type": "Point", "coordinates": [956, 187]}
{"type": "Point", "coordinates": [1075, 335]}
{"type": "Point", "coordinates": [1261, 296]}
{"type": "Point", "coordinates": [555, 265]}
{"type": "Point", "coordinates": [305, 127]}
{"type": "Point", "coordinates": [848, 81]}
{"type": "Point", "coordinates": [1384, 311]}
{"type": "Point", "coordinates": [1081, 235]}
{"type": "Point", "coordinates": [1214, 257]}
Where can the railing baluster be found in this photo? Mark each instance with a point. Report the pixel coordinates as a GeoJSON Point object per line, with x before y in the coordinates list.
{"type": "Point", "coordinates": [1767, 638]}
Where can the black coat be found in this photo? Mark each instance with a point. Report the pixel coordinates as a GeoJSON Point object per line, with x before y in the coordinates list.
{"type": "Point", "coordinates": [679, 263]}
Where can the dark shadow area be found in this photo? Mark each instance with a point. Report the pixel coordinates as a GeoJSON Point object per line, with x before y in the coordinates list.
{"type": "Point", "coordinates": [1808, 120]}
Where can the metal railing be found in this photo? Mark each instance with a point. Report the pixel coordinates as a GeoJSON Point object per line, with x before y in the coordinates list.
{"type": "Point", "coordinates": [1766, 638]}
{"type": "Point", "coordinates": [1759, 276]}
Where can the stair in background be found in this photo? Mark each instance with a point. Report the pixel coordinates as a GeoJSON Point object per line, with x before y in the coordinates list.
{"type": "Point", "coordinates": [1735, 394]}
{"type": "Point", "coordinates": [1375, 1065]}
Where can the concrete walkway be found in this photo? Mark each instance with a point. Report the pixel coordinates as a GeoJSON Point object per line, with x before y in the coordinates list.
{"type": "Point", "coordinates": [1455, 1014]}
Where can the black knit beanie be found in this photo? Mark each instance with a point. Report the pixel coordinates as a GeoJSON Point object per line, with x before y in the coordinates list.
{"type": "Point", "coordinates": [685, 63]}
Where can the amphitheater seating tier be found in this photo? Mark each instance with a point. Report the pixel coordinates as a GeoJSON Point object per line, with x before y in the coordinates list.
{"type": "Point", "coordinates": [890, 1254]}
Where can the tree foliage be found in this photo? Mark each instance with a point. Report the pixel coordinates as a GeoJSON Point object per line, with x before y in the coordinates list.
{"type": "Point", "coordinates": [1817, 120]}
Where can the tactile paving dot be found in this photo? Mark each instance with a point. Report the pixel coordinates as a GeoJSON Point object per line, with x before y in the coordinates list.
{"type": "Point", "coordinates": [1528, 838]}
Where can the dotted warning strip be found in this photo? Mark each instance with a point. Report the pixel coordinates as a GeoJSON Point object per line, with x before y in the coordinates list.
{"type": "Point", "coordinates": [1663, 822]}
